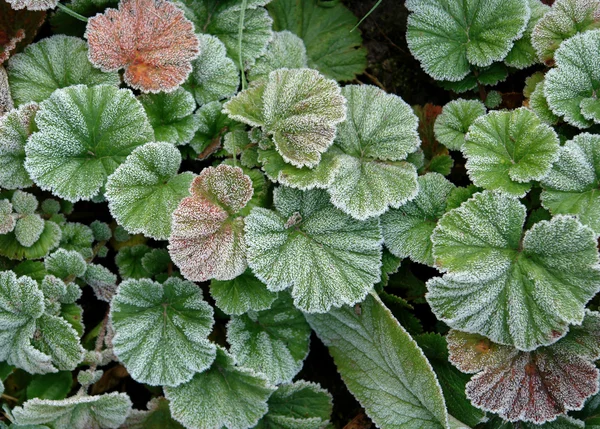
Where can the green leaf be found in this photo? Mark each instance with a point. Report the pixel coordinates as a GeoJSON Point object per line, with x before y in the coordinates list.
{"type": "Point", "coordinates": [78, 237]}
{"type": "Point", "coordinates": [299, 405]}
{"type": "Point", "coordinates": [331, 46]}
{"type": "Point", "coordinates": [539, 105]}
{"type": "Point", "coordinates": [225, 395]}
{"type": "Point", "coordinates": [15, 128]}
{"type": "Point", "coordinates": [378, 134]}
{"type": "Point", "coordinates": [77, 412]}
{"type": "Point", "coordinates": [299, 108]}
{"type": "Point", "coordinates": [521, 289]}
{"type": "Point", "coordinates": [65, 263]}
{"type": "Point", "coordinates": [73, 157]}
{"type": "Point", "coordinates": [214, 76]}
{"type": "Point", "coordinates": [572, 186]}
{"type": "Point", "coordinates": [156, 261]}
{"type": "Point", "coordinates": [559, 377]}
{"type": "Point", "coordinates": [28, 229]}
{"type": "Point", "coordinates": [286, 50]}
{"type": "Point", "coordinates": [449, 37]}
{"type": "Point", "coordinates": [523, 54]}
{"type": "Point", "coordinates": [50, 386]}
{"type": "Point", "coordinates": [272, 342]}
{"type": "Point", "coordinates": [382, 366]}
{"type": "Point", "coordinates": [407, 230]}
{"type": "Point", "coordinates": [213, 125]}
{"type": "Point", "coordinates": [570, 87]}
{"type": "Point", "coordinates": [158, 416]}
{"type": "Point", "coordinates": [241, 294]}
{"type": "Point", "coordinates": [441, 164]}
{"type": "Point", "coordinates": [507, 150]}
{"type": "Point", "coordinates": [327, 257]}
{"type": "Point", "coordinates": [52, 63]}
{"type": "Point", "coordinates": [129, 262]}
{"type": "Point", "coordinates": [102, 281]}
{"type": "Point", "coordinates": [73, 314]}
{"type": "Point", "coordinates": [161, 330]}
{"type": "Point", "coordinates": [34, 269]}
{"type": "Point", "coordinates": [56, 338]}
{"type": "Point", "coordinates": [49, 239]}
{"type": "Point", "coordinates": [145, 190]}
{"type": "Point", "coordinates": [452, 124]}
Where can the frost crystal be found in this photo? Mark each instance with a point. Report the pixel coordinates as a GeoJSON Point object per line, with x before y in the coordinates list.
{"type": "Point", "coordinates": [28, 229]}
{"type": "Point", "coordinates": [452, 124]}
{"type": "Point", "coordinates": [24, 202]}
{"type": "Point", "coordinates": [286, 50]}
{"type": "Point", "coordinates": [15, 128]}
{"type": "Point", "coordinates": [65, 263]}
{"type": "Point", "coordinates": [150, 39]}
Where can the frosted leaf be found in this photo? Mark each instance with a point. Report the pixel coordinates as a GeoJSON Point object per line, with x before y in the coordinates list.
{"type": "Point", "coordinates": [145, 190]}
{"type": "Point", "coordinates": [33, 4]}
{"type": "Point", "coordinates": [325, 256]}
{"type": "Point", "coordinates": [52, 63]}
{"type": "Point", "coordinates": [18, 28]}
{"type": "Point", "coordinates": [523, 54]}
{"type": "Point", "coordinates": [273, 342]}
{"type": "Point", "coordinates": [539, 105]}
{"type": "Point", "coordinates": [158, 416]}
{"type": "Point", "coordinates": [449, 37]}
{"type": "Point", "coordinates": [84, 134]}
{"type": "Point", "coordinates": [24, 202]}
{"type": "Point", "coordinates": [7, 221]}
{"type": "Point", "coordinates": [241, 294]}
{"type": "Point", "coordinates": [161, 330]}
{"type": "Point", "coordinates": [224, 395]}
{"type": "Point", "coordinates": [156, 261]}
{"type": "Point", "coordinates": [55, 290]}
{"type": "Point", "coordinates": [55, 337]}
{"type": "Point", "coordinates": [78, 237]}
{"type": "Point", "coordinates": [565, 19]}
{"type": "Point", "coordinates": [150, 39]}
{"type": "Point", "coordinates": [207, 237]}
{"type": "Point", "coordinates": [28, 229]}
{"type": "Point", "coordinates": [171, 115]}
{"type": "Point", "coordinates": [300, 109]}
{"type": "Point", "coordinates": [129, 262]}
{"type": "Point", "coordinates": [571, 187]}
{"type": "Point", "coordinates": [534, 386]}
{"type": "Point", "coordinates": [377, 135]}
{"type": "Point", "coordinates": [214, 75]}
{"type": "Point", "coordinates": [570, 87]}
{"type": "Point", "coordinates": [521, 289]}
{"type": "Point", "coordinates": [407, 230]}
{"type": "Point", "coordinates": [6, 102]}
{"type": "Point", "coordinates": [507, 150]}
{"type": "Point", "coordinates": [77, 412]}
{"type": "Point", "coordinates": [48, 240]}
{"type": "Point", "coordinates": [299, 405]}
{"type": "Point", "coordinates": [102, 281]}
{"type": "Point", "coordinates": [15, 128]}
{"type": "Point", "coordinates": [286, 50]}
{"type": "Point", "coordinates": [65, 263]}
{"type": "Point", "coordinates": [213, 125]}
{"type": "Point", "coordinates": [101, 230]}
{"type": "Point", "coordinates": [452, 124]}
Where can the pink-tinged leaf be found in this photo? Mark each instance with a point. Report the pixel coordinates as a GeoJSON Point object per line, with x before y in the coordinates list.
{"type": "Point", "coordinates": [17, 28]}
{"type": "Point", "coordinates": [150, 39]}
{"type": "Point", "coordinates": [532, 386]}
{"type": "Point", "coordinates": [207, 234]}
{"type": "Point", "coordinates": [6, 102]}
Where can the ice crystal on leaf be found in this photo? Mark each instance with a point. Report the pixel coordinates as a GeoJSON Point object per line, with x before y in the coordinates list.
{"type": "Point", "coordinates": [48, 240]}
{"type": "Point", "coordinates": [539, 104]}
{"type": "Point", "coordinates": [226, 395]}
{"type": "Point", "coordinates": [516, 288]}
{"type": "Point", "coordinates": [33, 4]}
{"type": "Point", "coordinates": [507, 150]}
{"type": "Point", "coordinates": [65, 263]}
{"type": "Point", "coordinates": [534, 386]}
{"type": "Point", "coordinates": [407, 230]}
{"type": "Point", "coordinates": [452, 124]}
{"type": "Point", "coordinates": [286, 50]}
{"type": "Point", "coordinates": [298, 107]}
{"type": "Point", "coordinates": [102, 281]}
{"type": "Point", "coordinates": [241, 294]}
{"type": "Point", "coordinates": [52, 63]}
{"type": "Point", "coordinates": [327, 257]}
{"type": "Point", "coordinates": [161, 330]}
{"type": "Point", "coordinates": [15, 128]}
{"type": "Point", "coordinates": [144, 191]}
{"type": "Point", "coordinates": [24, 202]}
{"type": "Point", "coordinates": [570, 88]}
{"type": "Point", "coordinates": [84, 134]}
{"type": "Point", "coordinates": [449, 37]}
{"type": "Point", "coordinates": [151, 39]}
{"type": "Point", "coordinates": [523, 54]}
{"type": "Point", "coordinates": [207, 236]}
{"type": "Point", "coordinates": [273, 342]}
{"type": "Point", "coordinates": [77, 412]}
{"type": "Point", "coordinates": [28, 229]}
{"type": "Point", "coordinates": [572, 186]}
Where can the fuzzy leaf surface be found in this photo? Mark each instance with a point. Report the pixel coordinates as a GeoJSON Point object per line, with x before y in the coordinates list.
{"type": "Point", "coordinates": [241, 294]}
{"type": "Point", "coordinates": [286, 50]}
{"type": "Point", "coordinates": [452, 124]}
{"type": "Point", "coordinates": [523, 54]}
{"type": "Point", "coordinates": [48, 240]}
{"type": "Point", "coordinates": [15, 128]}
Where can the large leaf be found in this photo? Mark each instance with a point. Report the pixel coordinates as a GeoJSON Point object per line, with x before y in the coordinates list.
{"type": "Point", "coordinates": [15, 128]}
{"type": "Point", "coordinates": [382, 366]}
{"type": "Point", "coordinates": [327, 257]}
{"type": "Point", "coordinates": [161, 330]}
{"type": "Point", "coordinates": [84, 134]}
{"type": "Point", "coordinates": [517, 288]}
{"type": "Point", "coordinates": [241, 294]}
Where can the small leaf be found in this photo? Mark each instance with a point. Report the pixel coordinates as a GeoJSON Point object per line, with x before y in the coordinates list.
{"type": "Point", "coordinates": [158, 416]}
{"type": "Point", "coordinates": [49, 239]}
{"type": "Point", "coordinates": [129, 262]}
{"type": "Point", "coordinates": [286, 50]}
{"type": "Point", "coordinates": [65, 263]}
{"type": "Point", "coordinates": [102, 281]}
{"type": "Point", "coordinates": [78, 237]}
{"type": "Point", "coordinates": [7, 220]}
{"type": "Point", "coordinates": [161, 330]}
{"type": "Point", "coordinates": [241, 294]}
{"type": "Point", "coordinates": [523, 54]}
{"type": "Point", "coordinates": [213, 125]}
{"type": "Point", "coordinates": [55, 337]}
{"type": "Point", "coordinates": [457, 116]}
{"type": "Point", "coordinates": [15, 128]}
{"type": "Point", "coordinates": [156, 261]}
{"type": "Point", "coordinates": [150, 39]}
{"type": "Point", "coordinates": [28, 229]}
{"type": "Point", "coordinates": [50, 386]}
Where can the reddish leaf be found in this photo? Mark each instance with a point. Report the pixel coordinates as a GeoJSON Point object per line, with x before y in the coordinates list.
{"type": "Point", "coordinates": [17, 28]}
{"type": "Point", "coordinates": [6, 102]}
{"type": "Point", "coordinates": [150, 39]}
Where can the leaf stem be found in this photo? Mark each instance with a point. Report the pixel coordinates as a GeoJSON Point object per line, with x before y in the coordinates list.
{"type": "Point", "coordinates": [71, 12]}
{"type": "Point", "coordinates": [240, 35]}
{"type": "Point", "coordinates": [367, 15]}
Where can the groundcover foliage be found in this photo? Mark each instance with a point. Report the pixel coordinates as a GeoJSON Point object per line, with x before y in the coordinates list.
{"type": "Point", "coordinates": [209, 220]}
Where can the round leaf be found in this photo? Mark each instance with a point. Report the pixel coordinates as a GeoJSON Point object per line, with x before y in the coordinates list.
{"type": "Point", "coordinates": [452, 124]}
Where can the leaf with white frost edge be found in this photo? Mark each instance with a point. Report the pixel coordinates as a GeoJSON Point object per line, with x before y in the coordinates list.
{"type": "Point", "coordinates": [286, 50]}
{"type": "Point", "coordinates": [382, 366]}
{"type": "Point", "coordinates": [523, 54]}
{"type": "Point", "coordinates": [273, 342]}
{"type": "Point", "coordinates": [77, 236]}
{"type": "Point", "coordinates": [452, 124]}
{"type": "Point", "coordinates": [84, 134]}
{"type": "Point", "coordinates": [129, 261]}
{"type": "Point", "coordinates": [572, 186]}
{"type": "Point", "coordinates": [507, 150]}
{"type": "Point", "coordinates": [102, 281]}
{"type": "Point", "coordinates": [327, 258]}
{"type": "Point", "coordinates": [213, 125]}
{"type": "Point", "coordinates": [448, 38]}
{"type": "Point", "coordinates": [48, 240]}
{"type": "Point", "coordinates": [55, 337]}
{"type": "Point", "coordinates": [28, 229]}
{"type": "Point", "coordinates": [539, 104]}
{"type": "Point", "coordinates": [65, 263]}
{"type": "Point", "coordinates": [77, 412]}
{"type": "Point", "coordinates": [534, 386]}
{"type": "Point", "coordinates": [207, 236]}
{"type": "Point", "coordinates": [241, 294]}
{"type": "Point", "coordinates": [161, 330]}
{"type": "Point", "coordinates": [7, 220]}
{"type": "Point", "coordinates": [517, 288]}
{"type": "Point", "coordinates": [224, 395]}
{"type": "Point", "coordinates": [15, 128]}
{"type": "Point", "coordinates": [52, 63]}
{"type": "Point", "coordinates": [407, 230]}
{"type": "Point", "coordinates": [380, 131]}
{"type": "Point", "coordinates": [145, 190]}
